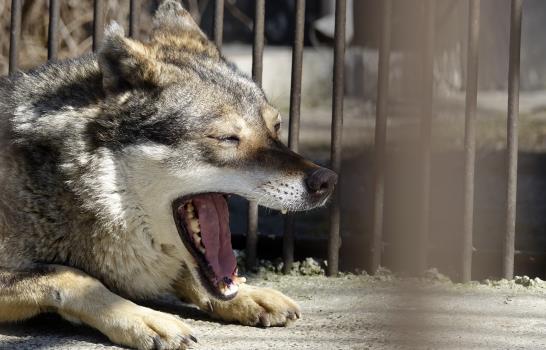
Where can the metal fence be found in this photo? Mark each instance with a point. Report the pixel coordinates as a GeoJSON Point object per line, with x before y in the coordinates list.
{"type": "Point", "coordinates": [381, 119]}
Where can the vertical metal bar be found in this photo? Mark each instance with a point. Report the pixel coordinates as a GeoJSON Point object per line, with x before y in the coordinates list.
{"type": "Point", "coordinates": [53, 30]}
{"type": "Point", "coordinates": [258, 45]}
{"type": "Point", "coordinates": [98, 23]}
{"type": "Point", "coordinates": [218, 23]}
{"type": "Point", "coordinates": [294, 126]}
{"type": "Point", "coordinates": [257, 64]}
{"type": "Point", "coordinates": [381, 134]}
{"type": "Point", "coordinates": [134, 18]}
{"type": "Point", "coordinates": [334, 241]}
{"type": "Point", "coordinates": [252, 235]}
{"type": "Point", "coordinates": [426, 123]}
{"type": "Point", "coordinates": [512, 133]}
{"type": "Point", "coordinates": [470, 136]}
{"type": "Point", "coordinates": [14, 35]}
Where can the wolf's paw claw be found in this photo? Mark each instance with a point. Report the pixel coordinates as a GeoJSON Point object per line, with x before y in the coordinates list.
{"type": "Point", "coordinates": [258, 307]}
{"type": "Point", "coordinates": [147, 329]}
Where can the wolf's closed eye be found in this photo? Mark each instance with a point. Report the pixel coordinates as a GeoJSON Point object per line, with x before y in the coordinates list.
{"type": "Point", "coordinates": [234, 139]}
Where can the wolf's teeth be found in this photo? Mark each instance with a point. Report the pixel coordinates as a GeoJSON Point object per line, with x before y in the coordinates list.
{"type": "Point", "coordinates": [199, 243]}
{"type": "Point", "coordinates": [284, 211]}
{"type": "Point", "coordinates": [190, 210]}
{"type": "Point", "coordinates": [194, 225]}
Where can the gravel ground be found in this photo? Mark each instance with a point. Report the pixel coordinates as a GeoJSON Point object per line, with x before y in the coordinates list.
{"type": "Point", "coordinates": [349, 312]}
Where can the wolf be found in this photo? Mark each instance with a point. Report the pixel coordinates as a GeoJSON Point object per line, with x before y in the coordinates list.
{"type": "Point", "coordinates": [114, 172]}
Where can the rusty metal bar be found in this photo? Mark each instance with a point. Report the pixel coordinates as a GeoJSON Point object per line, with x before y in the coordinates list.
{"type": "Point", "coordinates": [134, 18]}
{"type": "Point", "coordinates": [294, 123]}
{"type": "Point", "coordinates": [381, 135]}
{"type": "Point", "coordinates": [426, 123]}
{"type": "Point", "coordinates": [470, 136]}
{"type": "Point", "coordinates": [218, 23]}
{"type": "Point", "coordinates": [334, 240]}
{"type": "Point", "coordinates": [98, 23]}
{"type": "Point", "coordinates": [257, 64]}
{"type": "Point", "coordinates": [512, 133]}
{"type": "Point", "coordinates": [14, 34]}
{"type": "Point", "coordinates": [53, 30]}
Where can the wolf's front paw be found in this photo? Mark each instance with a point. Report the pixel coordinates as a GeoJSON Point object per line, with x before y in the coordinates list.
{"type": "Point", "coordinates": [146, 329]}
{"type": "Point", "coordinates": [255, 306]}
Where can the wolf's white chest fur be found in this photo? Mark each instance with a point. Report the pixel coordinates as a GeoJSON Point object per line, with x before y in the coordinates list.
{"type": "Point", "coordinates": [144, 260]}
{"type": "Point", "coordinates": [141, 252]}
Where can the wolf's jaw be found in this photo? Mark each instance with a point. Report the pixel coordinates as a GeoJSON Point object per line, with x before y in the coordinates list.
{"type": "Point", "coordinates": [192, 224]}
{"type": "Point", "coordinates": [202, 221]}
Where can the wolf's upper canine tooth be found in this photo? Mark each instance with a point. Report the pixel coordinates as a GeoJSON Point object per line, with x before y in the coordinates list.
{"type": "Point", "coordinates": [229, 289]}
{"type": "Point", "coordinates": [284, 211]}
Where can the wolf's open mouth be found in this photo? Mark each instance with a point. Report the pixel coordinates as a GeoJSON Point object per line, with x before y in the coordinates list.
{"type": "Point", "coordinates": [203, 224]}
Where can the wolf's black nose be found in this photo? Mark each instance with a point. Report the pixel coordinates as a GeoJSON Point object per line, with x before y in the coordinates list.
{"type": "Point", "coordinates": [321, 181]}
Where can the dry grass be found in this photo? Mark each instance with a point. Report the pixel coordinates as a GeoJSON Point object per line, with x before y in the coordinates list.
{"type": "Point", "coordinates": [75, 26]}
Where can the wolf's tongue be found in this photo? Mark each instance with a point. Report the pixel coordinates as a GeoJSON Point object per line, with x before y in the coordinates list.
{"type": "Point", "coordinates": [213, 215]}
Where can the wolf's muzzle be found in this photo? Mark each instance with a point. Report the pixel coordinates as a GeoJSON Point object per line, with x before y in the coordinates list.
{"type": "Point", "coordinates": [321, 182]}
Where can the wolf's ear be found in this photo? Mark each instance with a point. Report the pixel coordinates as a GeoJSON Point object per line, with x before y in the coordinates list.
{"type": "Point", "coordinates": [126, 63]}
{"type": "Point", "coordinates": [172, 18]}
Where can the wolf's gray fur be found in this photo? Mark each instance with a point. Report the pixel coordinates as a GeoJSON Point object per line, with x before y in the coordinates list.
{"type": "Point", "coordinates": [94, 150]}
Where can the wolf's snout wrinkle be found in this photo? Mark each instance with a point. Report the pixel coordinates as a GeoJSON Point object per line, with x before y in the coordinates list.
{"type": "Point", "coordinates": [321, 181]}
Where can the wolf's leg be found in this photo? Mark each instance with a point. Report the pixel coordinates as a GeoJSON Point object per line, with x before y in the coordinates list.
{"type": "Point", "coordinates": [83, 299]}
{"type": "Point", "coordinates": [252, 306]}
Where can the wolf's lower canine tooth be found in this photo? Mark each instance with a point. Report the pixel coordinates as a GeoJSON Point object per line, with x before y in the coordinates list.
{"type": "Point", "coordinates": [228, 289]}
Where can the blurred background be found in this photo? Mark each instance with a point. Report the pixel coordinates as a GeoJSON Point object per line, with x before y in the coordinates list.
{"type": "Point", "coordinates": [404, 116]}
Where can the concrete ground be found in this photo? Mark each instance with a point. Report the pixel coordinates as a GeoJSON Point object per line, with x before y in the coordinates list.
{"type": "Point", "coordinates": [350, 312]}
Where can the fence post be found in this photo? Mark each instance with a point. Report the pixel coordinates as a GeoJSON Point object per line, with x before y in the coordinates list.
{"type": "Point", "coordinates": [512, 135]}
{"type": "Point", "coordinates": [470, 136]}
{"type": "Point", "coordinates": [294, 126]}
{"type": "Point", "coordinates": [381, 135]}
{"type": "Point", "coordinates": [14, 35]}
{"type": "Point", "coordinates": [218, 23]}
{"type": "Point", "coordinates": [426, 123]}
{"type": "Point", "coordinates": [334, 240]}
{"type": "Point", "coordinates": [257, 65]}
{"type": "Point", "coordinates": [134, 18]}
{"type": "Point", "coordinates": [53, 30]}
{"type": "Point", "coordinates": [98, 23]}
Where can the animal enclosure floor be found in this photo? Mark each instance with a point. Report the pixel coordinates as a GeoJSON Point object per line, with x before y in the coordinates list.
{"type": "Point", "coordinates": [351, 312]}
